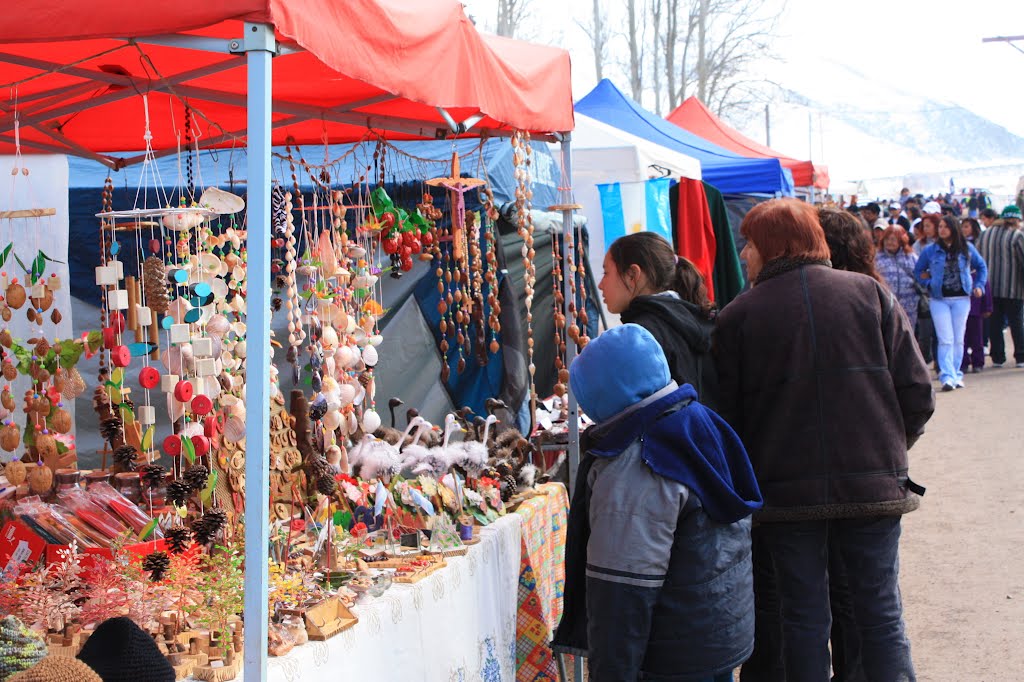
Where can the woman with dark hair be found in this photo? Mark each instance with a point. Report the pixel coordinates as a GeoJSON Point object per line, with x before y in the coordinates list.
{"type": "Point", "coordinates": [646, 283]}
{"type": "Point", "coordinates": [925, 231]}
{"type": "Point", "coordinates": [895, 262]}
{"type": "Point", "coordinates": [953, 271]}
{"type": "Point", "coordinates": [849, 243]}
{"type": "Point", "coordinates": [981, 310]}
{"type": "Point", "coordinates": [806, 358]}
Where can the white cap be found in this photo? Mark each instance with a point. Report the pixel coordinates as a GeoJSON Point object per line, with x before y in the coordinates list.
{"type": "Point", "coordinates": [932, 207]}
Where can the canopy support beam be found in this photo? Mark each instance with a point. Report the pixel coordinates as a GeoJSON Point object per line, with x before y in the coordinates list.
{"type": "Point", "coordinates": [259, 46]}
{"type": "Point", "coordinates": [132, 86]}
{"type": "Point", "coordinates": [58, 149]}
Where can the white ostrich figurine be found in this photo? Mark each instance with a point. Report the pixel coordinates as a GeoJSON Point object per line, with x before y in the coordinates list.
{"type": "Point", "coordinates": [415, 451]}
{"type": "Point", "coordinates": [438, 460]}
{"type": "Point", "coordinates": [375, 458]}
{"type": "Point", "coordinates": [471, 455]}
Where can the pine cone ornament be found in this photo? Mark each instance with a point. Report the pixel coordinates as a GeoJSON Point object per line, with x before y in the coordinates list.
{"type": "Point", "coordinates": [319, 466]}
{"type": "Point", "coordinates": [178, 539]}
{"type": "Point", "coordinates": [125, 457]}
{"type": "Point", "coordinates": [110, 428]}
{"type": "Point", "coordinates": [195, 477]}
{"type": "Point", "coordinates": [206, 528]}
{"type": "Point", "coordinates": [326, 485]}
{"type": "Point", "coordinates": [156, 564]}
{"type": "Point", "coordinates": [509, 487]}
{"type": "Point", "coordinates": [154, 277]}
{"type": "Point", "coordinates": [178, 493]}
{"type": "Point", "coordinates": [153, 474]}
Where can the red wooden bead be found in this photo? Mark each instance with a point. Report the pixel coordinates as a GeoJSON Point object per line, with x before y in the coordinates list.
{"type": "Point", "coordinates": [109, 338]}
{"type": "Point", "coordinates": [120, 356]}
{"type": "Point", "coordinates": [117, 322]}
{"type": "Point", "coordinates": [201, 405]}
{"type": "Point", "coordinates": [213, 425]}
{"type": "Point", "coordinates": [201, 444]}
{"type": "Point", "coordinates": [172, 445]}
{"type": "Point", "coordinates": [149, 377]}
{"type": "Point", "coordinates": [183, 391]}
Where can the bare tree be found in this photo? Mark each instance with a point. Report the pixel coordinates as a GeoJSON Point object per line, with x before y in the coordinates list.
{"type": "Point", "coordinates": [511, 16]}
{"type": "Point", "coordinates": [599, 35]}
{"type": "Point", "coordinates": [635, 37]}
{"type": "Point", "coordinates": [657, 56]}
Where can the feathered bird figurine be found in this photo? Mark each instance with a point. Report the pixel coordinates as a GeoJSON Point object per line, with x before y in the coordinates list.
{"type": "Point", "coordinates": [430, 437]}
{"type": "Point", "coordinates": [375, 458]}
{"type": "Point", "coordinates": [438, 459]}
{"type": "Point", "coordinates": [390, 433]}
{"type": "Point", "coordinates": [413, 452]}
{"type": "Point", "coordinates": [471, 455]}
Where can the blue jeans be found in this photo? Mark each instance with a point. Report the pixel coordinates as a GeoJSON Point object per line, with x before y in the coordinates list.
{"type": "Point", "coordinates": [869, 548]}
{"type": "Point", "coordinates": [949, 315]}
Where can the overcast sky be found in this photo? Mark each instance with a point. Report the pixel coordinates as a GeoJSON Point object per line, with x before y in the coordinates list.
{"type": "Point", "coordinates": [930, 47]}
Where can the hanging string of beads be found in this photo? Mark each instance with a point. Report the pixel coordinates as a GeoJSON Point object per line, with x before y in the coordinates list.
{"type": "Point", "coordinates": [522, 160]}
{"type": "Point", "coordinates": [579, 281]}
{"type": "Point", "coordinates": [296, 335]}
{"type": "Point", "coordinates": [558, 294]}
{"type": "Point", "coordinates": [491, 271]}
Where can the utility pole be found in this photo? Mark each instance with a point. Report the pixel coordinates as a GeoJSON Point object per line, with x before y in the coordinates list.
{"type": "Point", "coordinates": [767, 127]}
{"type": "Point", "coordinates": [1009, 40]}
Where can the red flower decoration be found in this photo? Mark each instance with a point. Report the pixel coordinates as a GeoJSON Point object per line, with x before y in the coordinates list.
{"type": "Point", "coordinates": [359, 529]}
{"type": "Point", "coordinates": [298, 525]}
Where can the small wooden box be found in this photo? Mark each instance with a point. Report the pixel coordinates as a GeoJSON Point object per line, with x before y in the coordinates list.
{"type": "Point", "coordinates": [328, 618]}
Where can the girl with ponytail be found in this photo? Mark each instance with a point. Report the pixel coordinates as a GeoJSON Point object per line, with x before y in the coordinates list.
{"type": "Point", "coordinates": [647, 284]}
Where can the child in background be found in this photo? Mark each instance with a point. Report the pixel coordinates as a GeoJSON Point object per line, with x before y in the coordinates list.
{"type": "Point", "coordinates": [658, 580]}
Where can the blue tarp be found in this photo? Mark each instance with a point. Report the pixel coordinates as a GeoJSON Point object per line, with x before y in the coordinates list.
{"type": "Point", "coordinates": [729, 172]}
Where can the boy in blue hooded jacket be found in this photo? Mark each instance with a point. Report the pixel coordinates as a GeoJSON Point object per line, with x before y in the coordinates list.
{"type": "Point", "coordinates": [658, 573]}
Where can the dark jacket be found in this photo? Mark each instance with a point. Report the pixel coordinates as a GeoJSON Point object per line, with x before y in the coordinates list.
{"type": "Point", "coordinates": [684, 335]}
{"type": "Point", "coordinates": [823, 380]}
{"type": "Point", "coordinates": [658, 581]}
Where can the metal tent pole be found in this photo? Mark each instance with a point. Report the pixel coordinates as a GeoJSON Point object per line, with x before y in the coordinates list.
{"type": "Point", "coordinates": [259, 46]}
{"type": "Point", "coordinates": [568, 248]}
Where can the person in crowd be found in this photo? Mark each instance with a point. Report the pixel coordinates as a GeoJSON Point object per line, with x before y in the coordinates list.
{"type": "Point", "coordinates": [904, 196]}
{"type": "Point", "coordinates": [987, 217]}
{"type": "Point", "coordinates": [897, 216]}
{"type": "Point", "coordinates": [953, 271]}
{"type": "Point", "coordinates": [972, 204]}
{"type": "Point", "coordinates": [914, 215]}
{"type": "Point", "coordinates": [657, 569]}
{"type": "Point", "coordinates": [927, 227]}
{"type": "Point", "coordinates": [806, 358]}
{"type": "Point", "coordinates": [644, 282]}
{"type": "Point", "coordinates": [895, 261]}
{"type": "Point", "coordinates": [872, 213]}
{"type": "Point", "coordinates": [981, 310]}
{"type": "Point", "coordinates": [849, 244]}
{"type": "Point", "coordinates": [1002, 247]}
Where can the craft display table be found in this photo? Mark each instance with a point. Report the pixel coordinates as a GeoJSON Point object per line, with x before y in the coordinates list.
{"type": "Point", "coordinates": [458, 624]}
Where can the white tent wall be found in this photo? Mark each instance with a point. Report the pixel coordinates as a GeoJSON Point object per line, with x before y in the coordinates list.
{"type": "Point", "coordinates": [45, 186]}
{"type": "Point", "coordinates": [603, 154]}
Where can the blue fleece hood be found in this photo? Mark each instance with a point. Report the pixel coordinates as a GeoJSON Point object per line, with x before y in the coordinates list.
{"type": "Point", "coordinates": [618, 369]}
{"type": "Point", "coordinates": [685, 441]}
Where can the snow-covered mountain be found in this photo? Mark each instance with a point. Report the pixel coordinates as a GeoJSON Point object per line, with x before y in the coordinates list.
{"type": "Point", "coordinates": [864, 129]}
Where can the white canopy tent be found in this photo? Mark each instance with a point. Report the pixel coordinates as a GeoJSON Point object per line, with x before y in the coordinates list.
{"type": "Point", "coordinates": [604, 154]}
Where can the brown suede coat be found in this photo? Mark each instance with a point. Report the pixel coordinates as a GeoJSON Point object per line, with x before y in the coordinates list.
{"type": "Point", "coordinates": [820, 375]}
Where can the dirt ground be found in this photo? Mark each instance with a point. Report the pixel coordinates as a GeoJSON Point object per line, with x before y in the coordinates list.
{"type": "Point", "coordinates": [962, 552]}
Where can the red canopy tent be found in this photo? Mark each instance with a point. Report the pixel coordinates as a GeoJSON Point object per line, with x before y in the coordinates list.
{"type": "Point", "coordinates": [342, 70]}
{"type": "Point", "coordinates": [693, 116]}
{"type": "Point", "coordinates": [416, 70]}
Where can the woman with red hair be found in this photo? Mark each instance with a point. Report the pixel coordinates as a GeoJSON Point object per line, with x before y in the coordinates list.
{"type": "Point", "coordinates": [895, 262]}
{"type": "Point", "coordinates": [806, 359]}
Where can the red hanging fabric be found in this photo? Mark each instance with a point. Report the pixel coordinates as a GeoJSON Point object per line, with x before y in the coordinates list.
{"type": "Point", "coordinates": [695, 234]}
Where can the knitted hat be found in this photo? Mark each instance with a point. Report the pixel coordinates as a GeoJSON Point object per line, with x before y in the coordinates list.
{"type": "Point", "coordinates": [1011, 212]}
{"type": "Point", "coordinates": [120, 651]}
{"type": "Point", "coordinates": [20, 648]}
{"type": "Point", "coordinates": [57, 669]}
{"type": "Point", "coordinates": [618, 369]}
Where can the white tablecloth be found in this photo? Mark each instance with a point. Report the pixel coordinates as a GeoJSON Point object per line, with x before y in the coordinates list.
{"type": "Point", "coordinates": [457, 625]}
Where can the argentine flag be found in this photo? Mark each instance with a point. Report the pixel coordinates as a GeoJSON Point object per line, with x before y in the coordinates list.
{"type": "Point", "coordinates": [629, 207]}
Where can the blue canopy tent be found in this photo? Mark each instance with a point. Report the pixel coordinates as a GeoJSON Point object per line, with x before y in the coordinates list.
{"type": "Point", "coordinates": [727, 171]}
